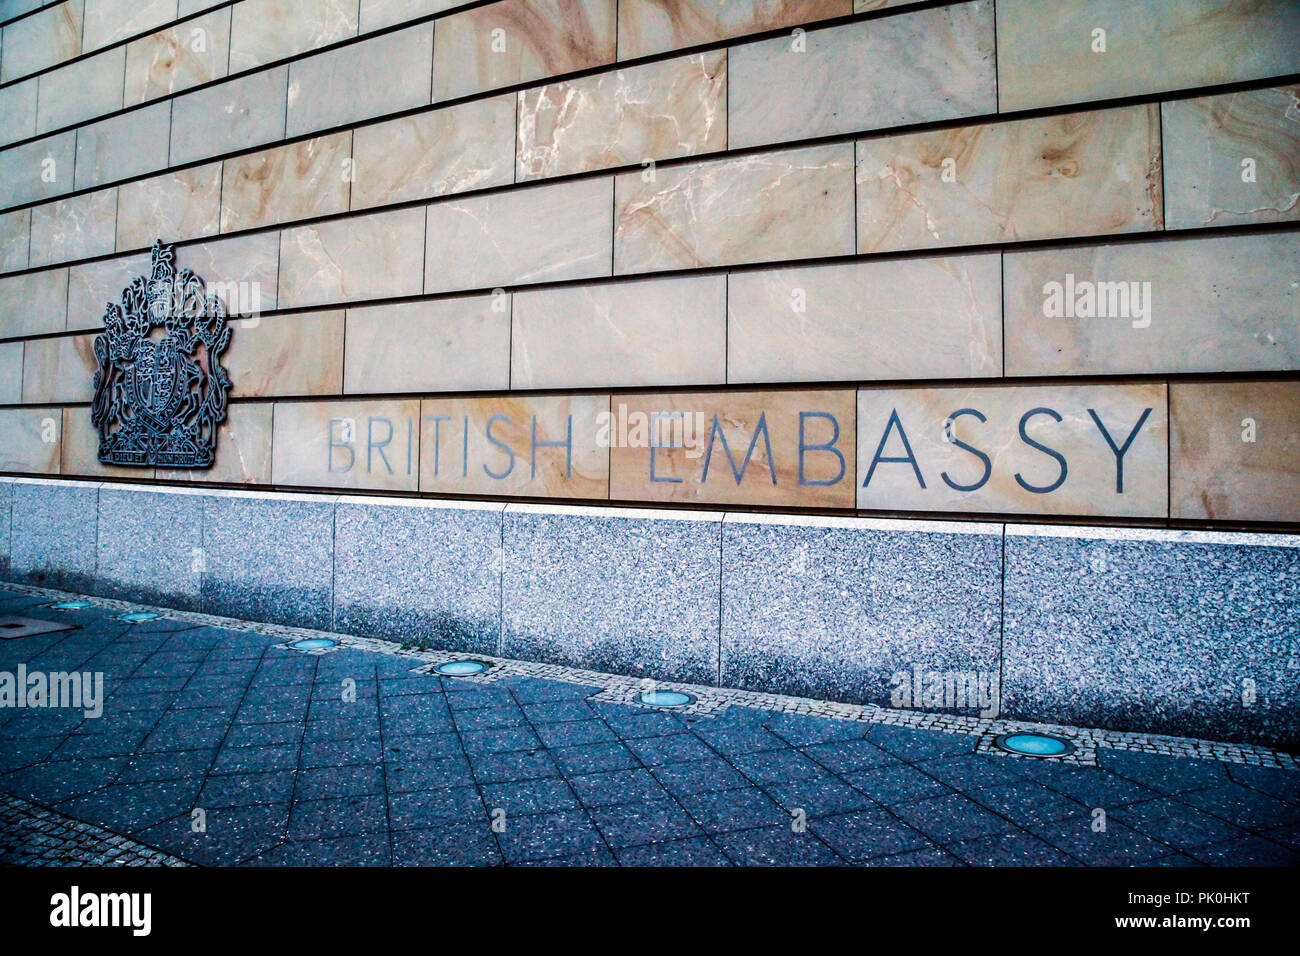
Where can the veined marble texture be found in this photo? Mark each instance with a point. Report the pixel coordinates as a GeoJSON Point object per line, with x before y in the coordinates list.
{"type": "Point", "coordinates": [1048, 49]}
{"type": "Point", "coordinates": [298, 181]}
{"type": "Point", "coordinates": [42, 40]}
{"type": "Point", "coordinates": [914, 67]}
{"type": "Point", "coordinates": [788, 204]}
{"type": "Point", "coordinates": [282, 355]}
{"type": "Point", "coordinates": [537, 234]}
{"type": "Point", "coordinates": [653, 332]}
{"type": "Point", "coordinates": [435, 153]}
{"type": "Point", "coordinates": [79, 451]}
{"type": "Point", "coordinates": [196, 51]}
{"type": "Point", "coordinates": [1072, 175]}
{"type": "Point", "coordinates": [58, 370]}
{"type": "Point", "coordinates": [185, 204]}
{"type": "Point", "coordinates": [657, 111]}
{"type": "Point", "coordinates": [342, 260]}
{"type": "Point", "coordinates": [108, 21]}
{"type": "Point", "coordinates": [243, 449]}
{"type": "Point", "coordinates": [1204, 304]}
{"type": "Point", "coordinates": [895, 319]}
{"type": "Point", "coordinates": [33, 303]}
{"type": "Point", "coordinates": [11, 372]}
{"type": "Point", "coordinates": [439, 345]}
{"type": "Point", "coordinates": [765, 448]}
{"type": "Point", "coordinates": [18, 111]}
{"type": "Point", "coordinates": [92, 285]}
{"type": "Point", "coordinates": [1015, 449]}
{"type": "Point", "coordinates": [1234, 449]}
{"type": "Point", "coordinates": [75, 228]}
{"type": "Point", "coordinates": [123, 146]}
{"type": "Point", "coordinates": [655, 26]}
{"type": "Point", "coordinates": [1233, 159]}
{"type": "Point", "coordinates": [22, 439]}
{"type": "Point", "coordinates": [38, 170]}
{"type": "Point", "coordinates": [262, 31]}
{"type": "Point", "coordinates": [15, 238]}
{"type": "Point", "coordinates": [376, 14]}
{"type": "Point", "coordinates": [344, 444]}
{"type": "Point", "coordinates": [516, 41]}
{"type": "Point", "coordinates": [81, 91]}
{"type": "Point", "coordinates": [485, 446]}
{"type": "Point", "coordinates": [237, 114]}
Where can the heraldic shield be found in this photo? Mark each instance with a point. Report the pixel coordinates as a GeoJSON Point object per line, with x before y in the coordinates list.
{"type": "Point", "coordinates": [160, 390]}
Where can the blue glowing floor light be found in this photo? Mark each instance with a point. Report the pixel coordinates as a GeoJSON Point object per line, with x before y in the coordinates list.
{"type": "Point", "coordinates": [1034, 745]}
{"type": "Point", "coordinates": [666, 698]}
{"type": "Point", "coordinates": [313, 644]}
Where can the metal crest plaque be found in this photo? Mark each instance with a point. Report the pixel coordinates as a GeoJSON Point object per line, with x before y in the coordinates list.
{"type": "Point", "coordinates": [160, 390]}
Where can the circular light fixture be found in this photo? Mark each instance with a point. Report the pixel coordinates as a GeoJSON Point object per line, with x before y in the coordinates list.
{"type": "Point", "coordinates": [1034, 745]}
{"type": "Point", "coordinates": [460, 668]}
{"type": "Point", "coordinates": [69, 605]}
{"type": "Point", "coordinates": [138, 617]}
{"type": "Point", "coordinates": [313, 644]}
{"type": "Point", "coordinates": [666, 698]}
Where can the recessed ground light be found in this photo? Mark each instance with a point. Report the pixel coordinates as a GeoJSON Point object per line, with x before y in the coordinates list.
{"type": "Point", "coordinates": [314, 644]}
{"type": "Point", "coordinates": [460, 668]}
{"type": "Point", "coordinates": [69, 605]}
{"type": "Point", "coordinates": [138, 617]}
{"type": "Point", "coordinates": [666, 698]}
{"type": "Point", "coordinates": [1034, 745]}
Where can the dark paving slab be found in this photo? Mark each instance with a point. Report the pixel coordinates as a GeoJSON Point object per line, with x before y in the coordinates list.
{"type": "Point", "coordinates": [220, 747]}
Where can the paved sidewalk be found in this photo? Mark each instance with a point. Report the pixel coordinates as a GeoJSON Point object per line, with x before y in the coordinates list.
{"type": "Point", "coordinates": [221, 747]}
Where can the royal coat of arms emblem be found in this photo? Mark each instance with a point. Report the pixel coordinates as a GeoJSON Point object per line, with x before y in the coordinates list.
{"type": "Point", "coordinates": [160, 389]}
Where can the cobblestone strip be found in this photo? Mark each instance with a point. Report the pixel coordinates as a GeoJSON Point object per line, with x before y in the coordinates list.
{"type": "Point", "coordinates": [31, 835]}
{"type": "Point", "coordinates": [713, 700]}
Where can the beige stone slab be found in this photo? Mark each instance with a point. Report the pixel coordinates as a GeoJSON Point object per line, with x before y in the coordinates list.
{"type": "Point", "coordinates": [441, 345]}
{"type": "Point", "coordinates": [1073, 472]}
{"type": "Point", "coordinates": [92, 285]}
{"type": "Point", "coordinates": [936, 64]}
{"type": "Point", "coordinates": [896, 319]}
{"type": "Point", "coordinates": [299, 181]}
{"type": "Point", "coordinates": [435, 153]}
{"type": "Point", "coordinates": [377, 14]}
{"type": "Point", "coordinates": [243, 272]}
{"type": "Point", "coordinates": [243, 449]}
{"type": "Point", "coordinates": [1220, 304]}
{"type": "Point", "coordinates": [347, 444]}
{"type": "Point", "coordinates": [656, 332]}
{"type": "Point", "coordinates": [792, 448]}
{"type": "Point", "coordinates": [499, 446]}
{"type": "Point", "coordinates": [1234, 449]}
{"type": "Point", "coordinates": [191, 53]}
{"type": "Point", "coordinates": [33, 303]}
{"type": "Point", "coordinates": [80, 91]}
{"type": "Point", "coordinates": [124, 146]}
{"type": "Point", "coordinates": [265, 31]}
{"type": "Point", "coordinates": [30, 439]}
{"type": "Point", "coordinates": [1046, 47]}
{"type": "Point", "coordinates": [18, 111]}
{"type": "Point", "coordinates": [185, 204]}
{"type": "Point", "coordinates": [15, 238]}
{"type": "Point", "coordinates": [386, 74]}
{"type": "Point", "coordinates": [75, 228]}
{"type": "Point", "coordinates": [518, 41]}
{"type": "Point", "coordinates": [1077, 174]}
{"type": "Point", "coordinates": [42, 40]}
{"type": "Point", "coordinates": [656, 26]}
{"type": "Point", "coordinates": [59, 370]}
{"type": "Point", "coordinates": [653, 112]}
{"type": "Point", "coordinates": [41, 169]}
{"type": "Point", "coordinates": [11, 373]}
{"type": "Point", "coordinates": [234, 115]}
{"type": "Point", "coordinates": [1232, 159]}
{"type": "Point", "coordinates": [108, 21]}
{"type": "Point", "coordinates": [287, 355]}
{"type": "Point", "coordinates": [79, 454]}
{"type": "Point", "coordinates": [348, 260]}
{"type": "Point", "coordinates": [539, 234]}
{"type": "Point", "coordinates": [760, 207]}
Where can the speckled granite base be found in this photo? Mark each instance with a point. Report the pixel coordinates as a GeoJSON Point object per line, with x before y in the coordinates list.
{"type": "Point", "coordinates": [834, 608]}
{"type": "Point", "coordinates": [629, 591]}
{"type": "Point", "coordinates": [419, 572]}
{"type": "Point", "coordinates": [150, 546]}
{"type": "Point", "coordinates": [6, 503]}
{"type": "Point", "coordinates": [1164, 631]}
{"type": "Point", "coordinates": [53, 531]}
{"type": "Point", "coordinates": [269, 558]}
